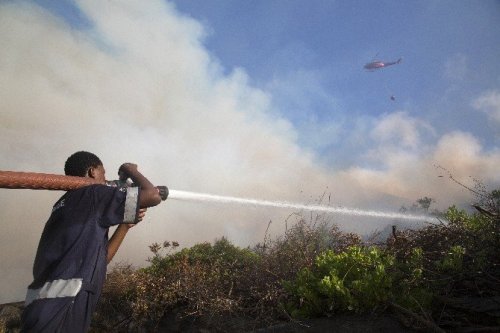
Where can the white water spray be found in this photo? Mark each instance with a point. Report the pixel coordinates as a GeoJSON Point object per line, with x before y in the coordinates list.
{"type": "Point", "coordinates": [204, 197]}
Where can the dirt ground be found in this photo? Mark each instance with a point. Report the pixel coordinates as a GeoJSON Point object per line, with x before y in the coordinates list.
{"type": "Point", "coordinates": [343, 323]}
{"type": "Point", "coordinates": [10, 322]}
{"type": "Point", "coordinates": [339, 323]}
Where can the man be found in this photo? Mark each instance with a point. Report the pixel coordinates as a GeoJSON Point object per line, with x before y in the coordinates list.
{"type": "Point", "coordinates": [70, 264]}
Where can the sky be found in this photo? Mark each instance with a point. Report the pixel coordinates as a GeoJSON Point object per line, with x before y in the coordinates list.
{"type": "Point", "coordinates": [260, 99]}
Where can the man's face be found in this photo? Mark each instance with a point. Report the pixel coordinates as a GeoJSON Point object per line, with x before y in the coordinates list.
{"type": "Point", "coordinates": [99, 173]}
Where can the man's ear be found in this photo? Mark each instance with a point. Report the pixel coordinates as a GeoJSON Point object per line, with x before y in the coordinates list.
{"type": "Point", "coordinates": [91, 172]}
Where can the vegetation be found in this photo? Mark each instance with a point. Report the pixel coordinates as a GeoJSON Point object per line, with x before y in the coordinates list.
{"type": "Point", "coordinates": [353, 280]}
{"type": "Point", "coordinates": [444, 276]}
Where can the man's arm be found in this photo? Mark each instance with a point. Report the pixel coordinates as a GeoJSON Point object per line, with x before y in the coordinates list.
{"type": "Point", "coordinates": [116, 240]}
{"type": "Point", "coordinates": [121, 231]}
{"type": "Point", "coordinates": [149, 194]}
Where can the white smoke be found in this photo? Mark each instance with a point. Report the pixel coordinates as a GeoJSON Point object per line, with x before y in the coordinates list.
{"type": "Point", "coordinates": [489, 102]}
{"type": "Point", "coordinates": [139, 86]}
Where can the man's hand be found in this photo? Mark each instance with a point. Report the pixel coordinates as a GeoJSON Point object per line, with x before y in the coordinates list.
{"type": "Point", "coordinates": [141, 214]}
{"type": "Point", "coordinates": [140, 217]}
{"type": "Point", "coordinates": [126, 170]}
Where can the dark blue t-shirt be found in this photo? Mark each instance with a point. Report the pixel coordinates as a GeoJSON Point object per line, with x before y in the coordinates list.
{"type": "Point", "coordinates": [70, 263]}
{"type": "Point", "coordinates": [74, 241]}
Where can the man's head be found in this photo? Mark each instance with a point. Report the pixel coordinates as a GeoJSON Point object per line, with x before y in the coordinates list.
{"type": "Point", "coordinates": [85, 164]}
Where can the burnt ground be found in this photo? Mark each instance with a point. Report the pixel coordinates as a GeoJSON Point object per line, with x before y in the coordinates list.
{"type": "Point", "coordinates": [343, 323]}
{"type": "Point", "coordinates": [339, 323]}
{"type": "Point", "coordinates": [10, 322]}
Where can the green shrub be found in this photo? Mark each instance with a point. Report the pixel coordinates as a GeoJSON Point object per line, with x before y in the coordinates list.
{"type": "Point", "coordinates": [204, 280]}
{"type": "Point", "coordinates": [452, 261]}
{"type": "Point", "coordinates": [410, 287]}
{"type": "Point", "coordinates": [357, 279]}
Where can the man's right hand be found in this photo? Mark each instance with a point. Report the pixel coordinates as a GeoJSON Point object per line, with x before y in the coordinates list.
{"type": "Point", "coordinates": [126, 170]}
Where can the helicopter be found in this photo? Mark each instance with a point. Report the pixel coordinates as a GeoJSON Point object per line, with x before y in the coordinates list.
{"type": "Point", "coordinates": [377, 64]}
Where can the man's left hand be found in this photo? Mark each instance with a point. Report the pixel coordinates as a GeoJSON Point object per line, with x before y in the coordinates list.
{"type": "Point", "coordinates": [140, 217]}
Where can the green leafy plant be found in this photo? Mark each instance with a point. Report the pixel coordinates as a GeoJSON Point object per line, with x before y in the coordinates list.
{"type": "Point", "coordinates": [356, 279]}
{"type": "Point", "coordinates": [452, 260]}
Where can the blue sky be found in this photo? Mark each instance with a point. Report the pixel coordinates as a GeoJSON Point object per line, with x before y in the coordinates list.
{"type": "Point", "coordinates": [331, 40]}
{"type": "Point", "coordinates": [252, 99]}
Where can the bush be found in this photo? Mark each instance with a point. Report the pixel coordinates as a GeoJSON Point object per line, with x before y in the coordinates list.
{"type": "Point", "coordinates": [214, 282]}
{"type": "Point", "coordinates": [446, 271]}
{"type": "Point", "coordinates": [357, 280]}
{"type": "Point", "coordinates": [201, 281]}
{"type": "Point", "coordinates": [284, 257]}
{"type": "Point", "coordinates": [459, 264]}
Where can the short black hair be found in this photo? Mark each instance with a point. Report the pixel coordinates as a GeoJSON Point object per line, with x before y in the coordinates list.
{"type": "Point", "coordinates": [78, 163]}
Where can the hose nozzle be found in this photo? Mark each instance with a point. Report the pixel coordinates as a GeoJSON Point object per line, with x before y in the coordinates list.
{"type": "Point", "coordinates": [163, 190]}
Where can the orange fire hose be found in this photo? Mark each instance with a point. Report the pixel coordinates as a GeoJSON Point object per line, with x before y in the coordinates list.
{"type": "Point", "coordinates": [45, 181]}
{"type": "Point", "coordinates": [42, 181]}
